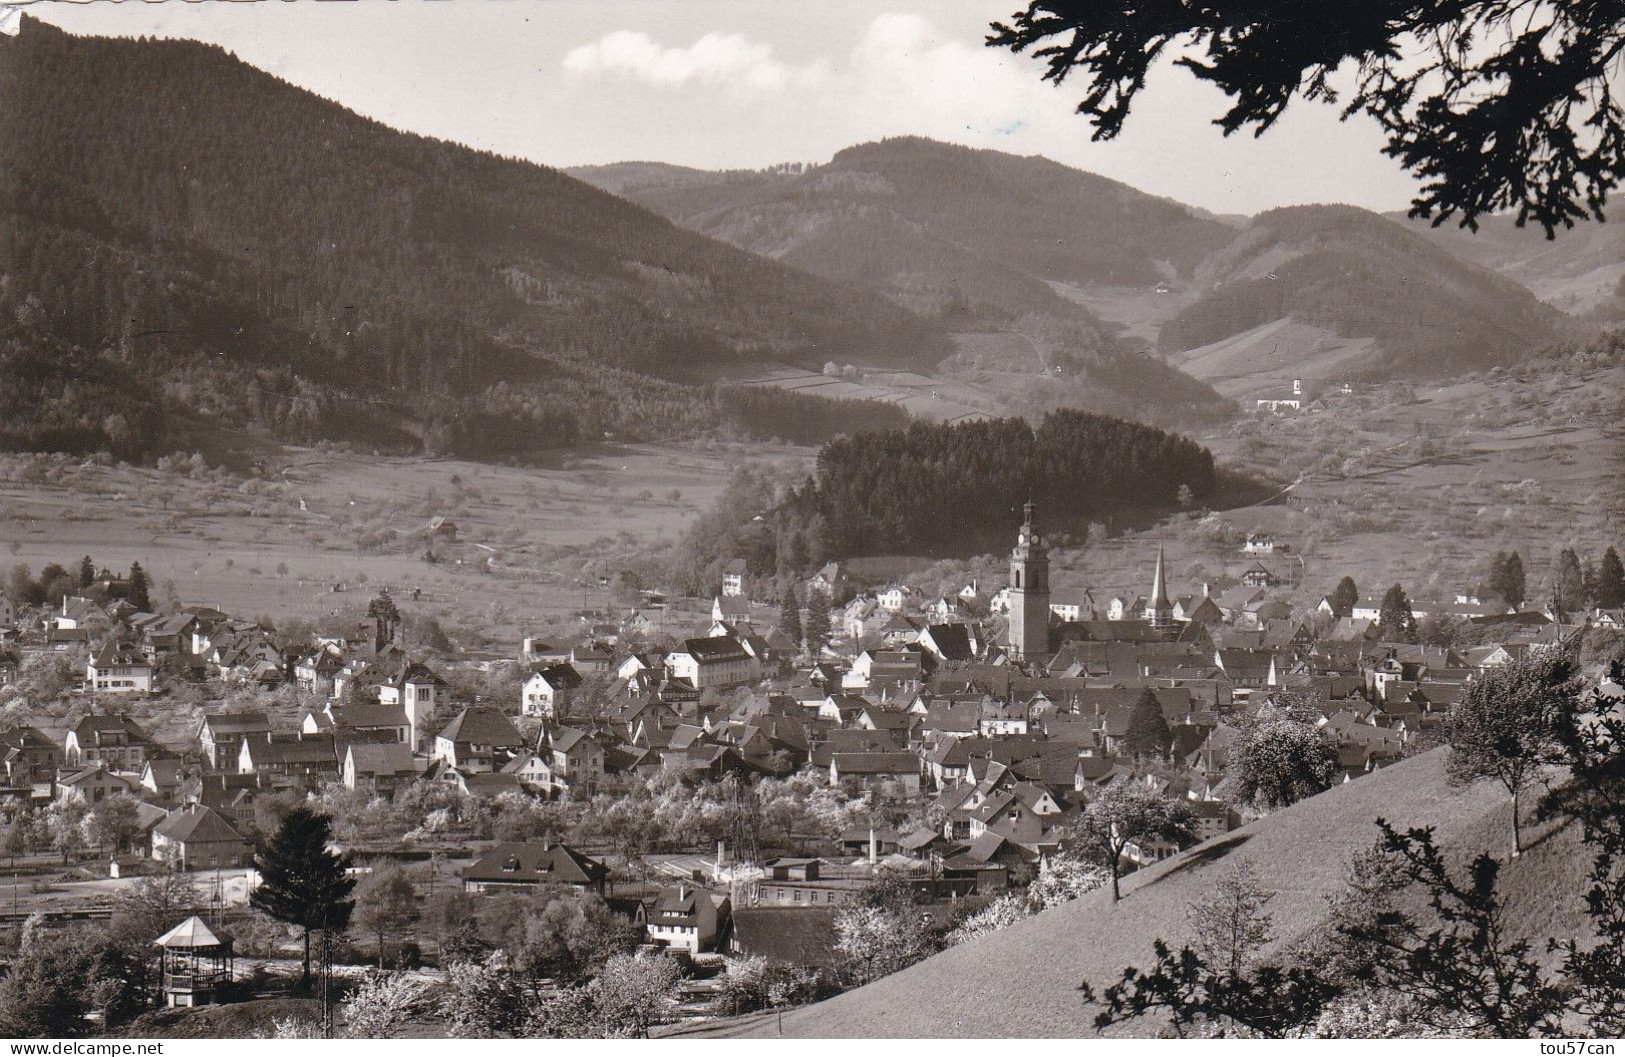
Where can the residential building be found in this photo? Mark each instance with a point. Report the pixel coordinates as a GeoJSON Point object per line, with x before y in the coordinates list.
{"type": "Point", "coordinates": [513, 865]}
{"type": "Point", "coordinates": [118, 668]}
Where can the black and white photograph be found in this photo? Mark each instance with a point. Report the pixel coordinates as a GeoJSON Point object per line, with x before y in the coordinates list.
{"type": "Point", "coordinates": [694, 520]}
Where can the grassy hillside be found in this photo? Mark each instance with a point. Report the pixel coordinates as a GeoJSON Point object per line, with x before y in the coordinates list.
{"type": "Point", "coordinates": [1356, 275]}
{"type": "Point", "coordinates": [1022, 982]}
{"type": "Point", "coordinates": [1581, 271]}
{"type": "Point", "coordinates": [179, 230]}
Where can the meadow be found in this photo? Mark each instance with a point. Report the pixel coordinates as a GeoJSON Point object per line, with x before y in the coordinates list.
{"type": "Point", "coordinates": [312, 531]}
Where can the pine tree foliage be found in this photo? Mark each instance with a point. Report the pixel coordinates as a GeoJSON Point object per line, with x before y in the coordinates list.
{"type": "Point", "coordinates": [302, 881]}
{"type": "Point", "coordinates": [1497, 105]}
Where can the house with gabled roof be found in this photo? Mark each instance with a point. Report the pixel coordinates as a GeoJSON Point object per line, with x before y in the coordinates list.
{"type": "Point", "coordinates": [514, 865]}
{"type": "Point", "coordinates": [118, 668]}
{"type": "Point", "coordinates": [576, 757]}
{"type": "Point", "coordinates": [719, 663]}
{"type": "Point", "coordinates": [378, 768]}
{"type": "Point", "coordinates": [222, 734]}
{"type": "Point", "coordinates": [311, 757]}
{"type": "Point", "coordinates": [93, 783]}
{"type": "Point", "coordinates": [27, 756]}
{"type": "Point", "coordinates": [478, 739]}
{"type": "Point", "coordinates": [870, 769]}
{"type": "Point", "coordinates": [687, 917]}
{"type": "Point", "coordinates": [547, 692]}
{"type": "Point", "coordinates": [117, 741]}
{"type": "Point", "coordinates": [195, 837]}
{"type": "Point", "coordinates": [533, 772]}
{"type": "Point", "coordinates": [731, 609]}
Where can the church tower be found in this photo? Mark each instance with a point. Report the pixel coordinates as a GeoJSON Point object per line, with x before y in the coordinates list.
{"type": "Point", "coordinates": [1159, 612]}
{"type": "Point", "coordinates": [1029, 592]}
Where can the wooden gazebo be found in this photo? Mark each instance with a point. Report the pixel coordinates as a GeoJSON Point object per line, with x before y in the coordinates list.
{"type": "Point", "coordinates": [194, 961]}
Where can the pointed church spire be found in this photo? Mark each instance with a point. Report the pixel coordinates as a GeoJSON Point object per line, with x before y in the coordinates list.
{"type": "Point", "coordinates": [1027, 509]}
{"type": "Point", "coordinates": [1159, 585]}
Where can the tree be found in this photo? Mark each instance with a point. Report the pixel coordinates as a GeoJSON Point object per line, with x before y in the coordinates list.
{"type": "Point", "coordinates": [385, 904]}
{"type": "Point", "coordinates": [1344, 597]}
{"type": "Point", "coordinates": [378, 1007]}
{"type": "Point", "coordinates": [1467, 972]}
{"type": "Point", "coordinates": [790, 615]}
{"type": "Point", "coordinates": [1232, 927]}
{"type": "Point", "coordinates": [632, 995]}
{"type": "Point", "coordinates": [482, 1000]}
{"type": "Point", "coordinates": [1610, 580]}
{"type": "Point", "coordinates": [1483, 99]}
{"type": "Point", "coordinates": [114, 821]}
{"type": "Point", "coordinates": [455, 925]}
{"type": "Point", "coordinates": [302, 882]}
{"type": "Point", "coordinates": [999, 914]}
{"type": "Point", "coordinates": [1568, 583]}
{"type": "Point", "coordinates": [753, 984]}
{"type": "Point", "coordinates": [1503, 727]}
{"type": "Point", "coordinates": [1591, 735]}
{"type": "Point", "coordinates": [60, 977]}
{"type": "Point", "coordinates": [1507, 578]}
{"type": "Point", "coordinates": [140, 589]}
{"type": "Point", "coordinates": [1280, 762]}
{"type": "Point", "coordinates": [87, 572]}
{"type": "Point", "coordinates": [1061, 879]}
{"type": "Point", "coordinates": [382, 609]}
{"type": "Point", "coordinates": [152, 905]}
{"type": "Point", "coordinates": [1395, 621]}
{"type": "Point", "coordinates": [1129, 813]}
{"type": "Point", "coordinates": [882, 931]}
{"type": "Point", "coordinates": [571, 937]}
{"type": "Point", "coordinates": [65, 819]}
{"type": "Point", "coordinates": [1147, 733]}
{"type": "Point", "coordinates": [818, 629]}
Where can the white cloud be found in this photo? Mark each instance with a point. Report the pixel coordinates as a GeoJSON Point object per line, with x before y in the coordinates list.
{"type": "Point", "coordinates": [714, 59]}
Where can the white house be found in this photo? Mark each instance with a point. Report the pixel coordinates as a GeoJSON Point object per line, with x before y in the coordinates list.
{"type": "Point", "coordinates": [733, 578]}
{"type": "Point", "coordinates": [719, 662]}
{"type": "Point", "coordinates": [686, 917]}
{"type": "Point", "coordinates": [547, 692]}
{"type": "Point", "coordinates": [118, 669]}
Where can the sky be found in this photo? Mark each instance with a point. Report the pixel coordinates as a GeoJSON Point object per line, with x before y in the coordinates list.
{"type": "Point", "coordinates": [722, 84]}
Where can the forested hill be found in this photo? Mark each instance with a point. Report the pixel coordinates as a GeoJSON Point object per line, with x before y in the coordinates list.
{"type": "Point", "coordinates": [941, 228]}
{"type": "Point", "coordinates": [990, 246]}
{"type": "Point", "coordinates": [180, 232]}
{"type": "Point", "coordinates": [957, 489]}
{"type": "Point", "coordinates": [1581, 271]}
{"type": "Point", "coordinates": [1372, 298]}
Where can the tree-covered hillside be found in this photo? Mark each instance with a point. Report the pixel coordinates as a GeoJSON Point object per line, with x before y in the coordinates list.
{"type": "Point", "coordinates": [182, 233]}
{"type": "Point", "coordinates": [953, 490]}
{"type": "Point", "coordinates": [971, 240]}
{"type": "Point", "coordinates": [1359, 275]}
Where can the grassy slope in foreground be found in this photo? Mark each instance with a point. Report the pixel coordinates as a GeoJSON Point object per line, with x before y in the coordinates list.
{"type": "Point", "coordinates": [1022, 982]}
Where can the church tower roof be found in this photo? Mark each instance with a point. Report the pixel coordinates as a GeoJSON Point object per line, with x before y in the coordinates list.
{"type": "Point", "coordinates": [1159, 583]}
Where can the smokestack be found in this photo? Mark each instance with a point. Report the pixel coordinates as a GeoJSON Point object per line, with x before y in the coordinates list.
{"type": "Point", "coordinates": [874, 847]}
{"type": "Point", "coordinates": [722, 852]}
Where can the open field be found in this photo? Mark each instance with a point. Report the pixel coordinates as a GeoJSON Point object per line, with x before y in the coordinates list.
{"type": "Point", "coordinates": [1140, 311]}
{"type": "Point", "coordinates": [1266, 358]}
{"type": "Point", "coordinates": [934, 398]}
{"type": "Point", "coordinates": [315, 531]}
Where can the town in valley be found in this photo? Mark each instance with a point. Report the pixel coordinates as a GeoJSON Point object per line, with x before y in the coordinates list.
{"type": "Point", "coordinates": [931, 591]}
